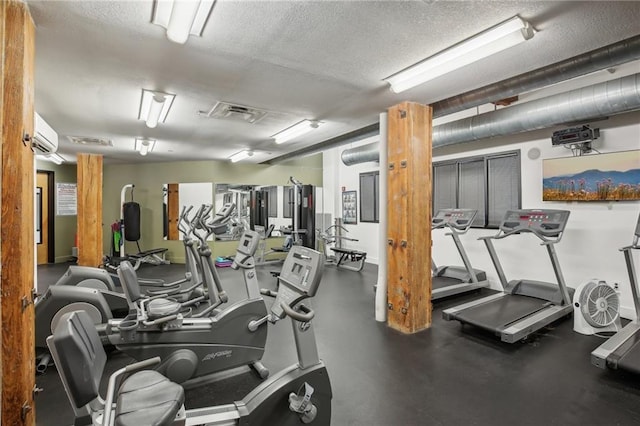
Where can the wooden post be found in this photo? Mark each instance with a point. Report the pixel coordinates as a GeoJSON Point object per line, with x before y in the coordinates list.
{"type": "Point", "coordinates": [17, 234]}
{"type": "Point", "coordinates": [90, 210]}
{"type": "Point", "coordinates": [409, 217]}
{"type": "Point", "coordinates": [173, 211]}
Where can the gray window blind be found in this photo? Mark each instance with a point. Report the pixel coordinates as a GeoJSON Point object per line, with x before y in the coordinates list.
{"type": "Point", "coordinates": [504, 186]}
{"type": "Point", "coordinates": [471, 185]}
{"type": "Point", "coordinates": [369, 197]}
{"type": "Point", "coordinates": [445, 186]}
{"type": "Point", "coordinates": [487, 183]}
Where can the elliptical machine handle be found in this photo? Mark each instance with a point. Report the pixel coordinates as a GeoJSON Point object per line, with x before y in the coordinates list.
{"type": "Point", "coordinates": [297, 315]}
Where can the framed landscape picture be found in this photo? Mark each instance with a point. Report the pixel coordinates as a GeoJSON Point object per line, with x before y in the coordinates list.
{"type": "Point", "coordinates": [602, 177]}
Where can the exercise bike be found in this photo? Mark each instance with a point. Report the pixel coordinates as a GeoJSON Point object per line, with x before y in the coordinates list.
{"type": "Point", "coordinates": [195, 344]}
{"type": "Point", "coordinates": [93, 290]}
{"type": "Point", "coordinates": [298, 394]}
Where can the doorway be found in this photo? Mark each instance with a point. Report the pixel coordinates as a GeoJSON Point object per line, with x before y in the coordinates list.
{"type": "Point", "coordinates": [45, 217]}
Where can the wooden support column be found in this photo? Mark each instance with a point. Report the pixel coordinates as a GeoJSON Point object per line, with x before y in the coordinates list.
{"type": "Point", "coordinates": [173, 211]}
{"type": "Point", "coordinates": [90, 251]}
{"type": "Point", "coordinates": [17, 234]}
{"type": "Point", "coordinates": [409, 217]}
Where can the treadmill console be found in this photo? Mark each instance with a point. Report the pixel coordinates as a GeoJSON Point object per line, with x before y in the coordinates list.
{"type": "Point", "coordinates": [548, 223]}
{"type": "Point", "coordinates": [460, 219]}
{"type": "Point", "coordinates": [299, 279]}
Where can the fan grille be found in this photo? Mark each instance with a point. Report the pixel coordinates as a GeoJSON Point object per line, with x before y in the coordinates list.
{"type": "Point", "coordinates": [599, 304]}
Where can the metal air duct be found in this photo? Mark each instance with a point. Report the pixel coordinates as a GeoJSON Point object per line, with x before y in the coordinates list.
{"type": "Point", "coordinates": [599, 100]}
{"type": "Point", "coordinates": [606, 57]}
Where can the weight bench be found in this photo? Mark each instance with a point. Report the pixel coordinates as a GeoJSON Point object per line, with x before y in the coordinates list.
{"type": "Point", "coordinates": [355, 256]}
{"type": "Point", "coordinates": [153, 257]}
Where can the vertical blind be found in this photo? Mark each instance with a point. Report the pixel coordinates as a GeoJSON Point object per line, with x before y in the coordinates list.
{"type": "Point", "coordinates": [369, 204]}
{"type": "Point", "coordinates": [490, 184]}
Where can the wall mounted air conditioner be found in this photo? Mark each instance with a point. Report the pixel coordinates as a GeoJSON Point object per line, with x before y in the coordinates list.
{"type": "Point", "coordinates": [45, 139]}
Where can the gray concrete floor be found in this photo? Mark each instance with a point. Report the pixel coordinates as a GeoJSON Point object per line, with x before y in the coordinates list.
{"type": "Point", "coordinates": [446, 375]}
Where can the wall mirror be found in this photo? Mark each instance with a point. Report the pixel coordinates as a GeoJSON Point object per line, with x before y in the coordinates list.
{"type": "Point", "coordinates": [256, 207]}
{"type": "Point", "coordinates": [177, 195]}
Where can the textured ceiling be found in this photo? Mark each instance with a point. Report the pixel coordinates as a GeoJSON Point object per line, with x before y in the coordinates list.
{"type": "Point", "coordinates": [319, 60]}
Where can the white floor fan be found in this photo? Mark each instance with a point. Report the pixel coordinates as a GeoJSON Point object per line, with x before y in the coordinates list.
{"type": "Point", "coordinates": [596, 306]}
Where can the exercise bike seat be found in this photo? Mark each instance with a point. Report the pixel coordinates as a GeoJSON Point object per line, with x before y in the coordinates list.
{"type": "Point", "coordinates": [144, 398]}
{"type": "Point", "coordinates": [148, 398]}
{"type": "Point", "coordinates": [159, 308]}
{"type": "Point", "coordinates": [156, 307]}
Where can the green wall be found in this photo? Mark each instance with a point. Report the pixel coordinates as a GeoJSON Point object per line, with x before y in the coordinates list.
{"type": "Point", "coordinates": [148, 180]}
{"type": "Point", "coordinates": [65, 226]}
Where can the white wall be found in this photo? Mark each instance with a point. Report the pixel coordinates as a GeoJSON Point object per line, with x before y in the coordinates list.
{"type": "Point", "coordinates": [336, 176]}
{"type": "Point", "coordinates": [595, 231]}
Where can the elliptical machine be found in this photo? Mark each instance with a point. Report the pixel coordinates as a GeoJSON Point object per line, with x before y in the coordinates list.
{"type": "Point", "coordinates": [195, 345]}
{"type": "Point", "coordinates": [298, 394]}
{"type": "Point", "coordinates": [93, 290]}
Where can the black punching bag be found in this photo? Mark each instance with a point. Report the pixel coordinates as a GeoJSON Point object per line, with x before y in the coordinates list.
{"type": "Point", "coordinates": [131, 218]}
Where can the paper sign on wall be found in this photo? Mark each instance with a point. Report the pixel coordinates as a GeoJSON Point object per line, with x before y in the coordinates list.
{"type": "Point", "coordinates": [66, 199]}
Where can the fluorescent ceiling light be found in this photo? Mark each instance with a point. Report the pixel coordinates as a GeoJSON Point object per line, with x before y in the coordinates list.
{"type": "Point", "coordinates": [182, 18]}
{"type": "Point", "coordinates": [154, 107]}
{"type": "Point", "coordinates": [241, 155]}
{"type": "Point", "coordinates": [296, 130]}
{"type": "Point", "coordinates": [486, 43]}
{"type": "Point", "coordinates": [144, 146]}
{"type": "Point", "coordinates": [53, 157]}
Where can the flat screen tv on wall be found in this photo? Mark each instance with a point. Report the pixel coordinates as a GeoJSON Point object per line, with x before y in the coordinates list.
{"type": "Point", "coordinates": [600, 177]}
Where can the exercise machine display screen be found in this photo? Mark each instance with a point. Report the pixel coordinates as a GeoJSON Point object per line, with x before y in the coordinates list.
{"type": "Point", "coordinates": [248, 243]}
{"type": "Point", "coordinates": [549, 223]}
{"type": "Point", "coordinates": [299, 279]}
{"type": "Point", "coordinates": [457, 218]}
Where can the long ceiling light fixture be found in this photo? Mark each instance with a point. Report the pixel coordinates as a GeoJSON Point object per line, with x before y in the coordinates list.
{"type": "Point", "coordinates": [144, 146]}
{"type": "Point", "coordinates": [53, 157]}
{"type": "Point", "coordinates": [182, 18]}
{"type": "Point", "coordinates": [241, 155]}
{"type": "Point", "coordinates": [154, 107]}
{"type": "Point", "coordinates": [507, 34]}
{"type": "Point", "coordinates": [296, 130]}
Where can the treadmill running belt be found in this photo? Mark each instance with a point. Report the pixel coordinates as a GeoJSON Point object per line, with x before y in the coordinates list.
{"type": "Point", "coordinates": [441, 282]}
{"type": "Point", "coordinates": [629, 358]}
{"type": "Point", "coordinates": [498, 314]}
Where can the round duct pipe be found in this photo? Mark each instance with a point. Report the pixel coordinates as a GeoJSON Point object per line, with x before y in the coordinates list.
{"type": "Point", "coordinates": [361, 154]}
{"type": "Point", "coordinates": [606, 57]}
{"type": "Point", "coordinates": [599, 100]}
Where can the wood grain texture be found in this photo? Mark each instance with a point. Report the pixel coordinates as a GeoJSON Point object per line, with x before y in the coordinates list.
{"type": "Point", "coordinates": [89, 209]}
{"type": "Point", "coordinates": [173, 210]}
{"type": "Point", "coordinates": [17, 234]}
{"type": "Point", "coordinates": [409, 217]}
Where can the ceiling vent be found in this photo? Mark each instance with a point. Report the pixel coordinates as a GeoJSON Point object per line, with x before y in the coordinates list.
{"type": "Point", "coordinates": [83, 140]}
{"type": "Point", "coordinates": [227, 111]}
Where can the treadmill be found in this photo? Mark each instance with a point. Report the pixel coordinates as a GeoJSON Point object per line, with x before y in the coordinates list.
{"type": "Point", "coordinates": [524, 306]}
{"type": "Point", "coordinates": [452, 280]}
{"type": "Point", "coordinates": [622, 351]}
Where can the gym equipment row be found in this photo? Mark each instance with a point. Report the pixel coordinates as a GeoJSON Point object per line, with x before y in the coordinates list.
{"type": "Point", "coordinates": [188, 333]}
{"type": "Point", "coordinates": [298, 394]}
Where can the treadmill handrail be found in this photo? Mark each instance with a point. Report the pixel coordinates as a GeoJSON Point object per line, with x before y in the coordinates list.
{"type": "Point", "coordinates": [545, 240]}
